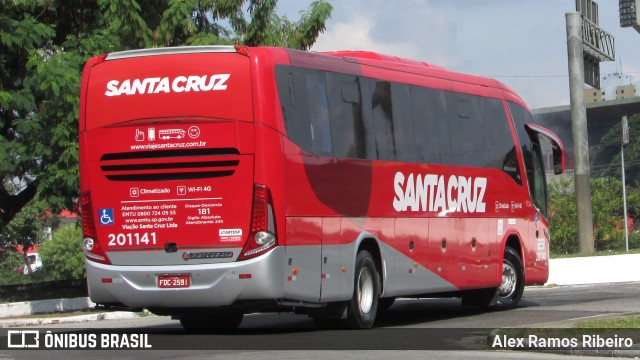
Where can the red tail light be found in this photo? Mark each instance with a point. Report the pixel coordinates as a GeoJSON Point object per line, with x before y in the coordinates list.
{"type": "Point", "coordinates": [90, 243]}
{"type": "Point", "coordinates": [97, 60]}
{"type": "Point", "coordinates": [263, 226]}
{"type": "Point", "coordinates": [242, 50]}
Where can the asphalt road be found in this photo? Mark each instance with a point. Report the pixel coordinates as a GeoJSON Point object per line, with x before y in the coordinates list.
{"type": "Point", "coordinates": [409, 325]}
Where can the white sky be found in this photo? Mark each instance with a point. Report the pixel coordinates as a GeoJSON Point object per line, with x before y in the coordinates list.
{"type": "Point", "coordinates": [519, 42]}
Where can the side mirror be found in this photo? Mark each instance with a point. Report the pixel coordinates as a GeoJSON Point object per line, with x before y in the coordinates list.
{"type": "Point", "coordinates": [556, 146]}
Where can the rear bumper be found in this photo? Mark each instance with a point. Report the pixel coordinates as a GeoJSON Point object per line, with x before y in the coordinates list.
{"type": "Point", "coordinates": [212, 285]}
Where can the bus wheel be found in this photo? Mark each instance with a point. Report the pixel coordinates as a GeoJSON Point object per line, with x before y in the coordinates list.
{"type": "Point", "coordinates": [203, 323]}
{"type": "Point", "coordinates": [361, 311]}
{"type": "Point", "coordinates": [512, 286]}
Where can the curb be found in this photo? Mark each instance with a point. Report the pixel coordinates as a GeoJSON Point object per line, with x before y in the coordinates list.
{"type": "Point", "coordinates": [45, 306]}
{"type": "Point", "coordinates": [118, 315]}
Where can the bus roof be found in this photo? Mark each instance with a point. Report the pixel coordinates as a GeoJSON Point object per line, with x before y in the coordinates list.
{"type": "Point", "coordinates": [329, 60]}
{"type": "Point", "coordinates": [395, 63]}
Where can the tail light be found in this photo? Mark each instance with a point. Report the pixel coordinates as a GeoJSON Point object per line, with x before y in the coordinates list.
{"type": "Point", "coordinates": [242, 50]}
{"type": "Point", "coordinates": [263, 227]}
{"type": "Point", "coordinates": [90, 243]}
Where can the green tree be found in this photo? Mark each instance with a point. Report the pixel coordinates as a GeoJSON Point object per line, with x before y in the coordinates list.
{"type": "Point", "coordinates": [26, 230]}
{"type": "Point", "coordinates": [608, 215]}
{"type": "Point", "coordinates": [563, 217]}
{"type": "Point", "coordinates": [63, 256]}
{"type": "Point", "coordinates": [606, 157]}
{"type": "Point", "coordinates": [45, 43]}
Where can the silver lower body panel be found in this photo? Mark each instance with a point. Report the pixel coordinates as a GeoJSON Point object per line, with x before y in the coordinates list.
{"type": "Point", "coordinates": [212, 285]}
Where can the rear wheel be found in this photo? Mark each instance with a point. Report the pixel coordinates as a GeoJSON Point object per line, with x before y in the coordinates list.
{"type": "Point", "coordinates": [362, 309]}
{"type": "Point", "coordinates": [512, 285]}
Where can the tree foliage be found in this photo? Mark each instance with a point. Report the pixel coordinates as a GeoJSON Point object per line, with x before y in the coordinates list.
{"type": "Point", "coordinates": [45, 43]}
{"type": "Point", "coordinates": [25, 231]}
{"type": "Point", "coordinates": [608, 215]}
{"type": "Point", "coordinates": [63, 256]}
{"type": "Point", "coordinates": [606, 158]}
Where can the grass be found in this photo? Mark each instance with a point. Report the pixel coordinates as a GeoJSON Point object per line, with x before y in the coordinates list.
{"type": "Point", "coordinates": [597, 253]}
{"type": "Point", "coordinates": [629, 322]}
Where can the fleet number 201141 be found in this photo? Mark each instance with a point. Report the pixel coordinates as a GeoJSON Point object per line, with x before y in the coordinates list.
{"type": "Point", "coordinates": [132, 239]}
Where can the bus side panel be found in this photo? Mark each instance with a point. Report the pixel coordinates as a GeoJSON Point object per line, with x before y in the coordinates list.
{"type": "Point", "coordinates": [536, 253]}
{"type": "Point", "coordinates": [478, 263]}
{"type": "Point", "coordinates": [412, 235]}
{"type": "Point", "coordinates": [303, 258]}
{"type": "Point", "coordinates": [331, 260]}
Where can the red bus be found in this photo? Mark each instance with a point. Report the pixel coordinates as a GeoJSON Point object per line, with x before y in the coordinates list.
{"type": "Point", "coordinates": [221, 180]}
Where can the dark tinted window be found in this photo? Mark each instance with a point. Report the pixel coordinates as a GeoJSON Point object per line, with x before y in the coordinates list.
{"type": "Point", "coordinates": [345, 113]}
{"type": "Point", "coordinates": [532, 155]}
{"type": "Point", "coordinates": [382, 114]}
{"type": "Point", "coordinates": [347, 116]}
{"type": "Point", "coordinates": [403, 134]}
{"type": "Point", "coordinates": [465, 119]}
{"type": "Point", "coordinates": [323, 112]}
{"type": "Point", "coordinates": [431, 125]}
{"type": "Point", "coordinates": [392, 123]}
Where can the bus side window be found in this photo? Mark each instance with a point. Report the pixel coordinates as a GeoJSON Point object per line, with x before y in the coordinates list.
{"type": "Point", "coordinates": [430, 125]}
{"type": "Point", "coordinates": [403, 134]}
{"type": "Point", "coordinates": [467, 143]}
{"type": "Point", "coordinates": [500, 150]}
{"type": "Point", "coordinates": [293, 101]}
{"type": "Point", "coordinates": [345, 113]}
{"type": "Point", "coordinates": [318, 113]}
{"type": "Point", "coordinates": [383, 120]}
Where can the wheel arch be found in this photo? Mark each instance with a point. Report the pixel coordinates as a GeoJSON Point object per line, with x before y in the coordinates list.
{"type": "Point", "coordinates": [514, 241]}
{"type": "Point", "coordinates": [371, 243]}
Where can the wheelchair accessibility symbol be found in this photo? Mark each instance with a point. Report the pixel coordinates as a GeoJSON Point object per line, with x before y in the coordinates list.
{"type": "Point", "coordinates": [106, 216]}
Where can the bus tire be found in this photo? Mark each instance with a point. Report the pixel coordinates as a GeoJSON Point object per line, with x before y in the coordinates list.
{"type": "Point", "coordinates": [512, 286]}
{"type": "Point", "coordinates": [363, 307]}
{"type": "Point", "coordinates": [203, 323]}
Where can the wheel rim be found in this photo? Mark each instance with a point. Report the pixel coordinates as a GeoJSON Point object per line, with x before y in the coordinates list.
{"type": "Point", "coordinates": [365, 290]}
{"type": "Point", "coordinates": [509, 280]}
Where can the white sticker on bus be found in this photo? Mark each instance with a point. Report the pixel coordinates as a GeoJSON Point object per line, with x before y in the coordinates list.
{"type": "Point", "coordinates": [230, 235]}
{"type": "Point", "coordinates": [431, 192]}
{"type": "Point", "coordinates": [230, 232]}
{"type": "Point", "coordinates": [167, 85]}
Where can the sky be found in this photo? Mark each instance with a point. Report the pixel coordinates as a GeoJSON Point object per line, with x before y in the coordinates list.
{"type": "Point", "coordinates": [521, 43]}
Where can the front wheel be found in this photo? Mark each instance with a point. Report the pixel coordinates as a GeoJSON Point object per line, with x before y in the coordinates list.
{"type": "Point", "coordinates": [512, 285]}
{"type": "Point", "coordinates": [363, 307]}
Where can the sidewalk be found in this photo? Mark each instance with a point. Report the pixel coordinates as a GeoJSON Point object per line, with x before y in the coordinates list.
{"type": "Point", "coordinates": [594, 270]}
{"type": "Point", "coordinates": [568, 271]}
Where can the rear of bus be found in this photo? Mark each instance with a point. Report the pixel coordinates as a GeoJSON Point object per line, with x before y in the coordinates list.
{"type": "Point", "coordinates": [172, 217]}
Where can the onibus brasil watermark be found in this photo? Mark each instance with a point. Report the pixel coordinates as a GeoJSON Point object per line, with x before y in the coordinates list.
{"type": "Point", "coordinates": [34, 339]}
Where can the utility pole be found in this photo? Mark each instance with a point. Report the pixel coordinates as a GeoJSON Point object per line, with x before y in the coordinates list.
{"type": "Point", "coordinates": [625, 141]}
{"type": "Point", "coordinates": [582, 171]}
{"type": "Point", "coordinates": [587, 46]}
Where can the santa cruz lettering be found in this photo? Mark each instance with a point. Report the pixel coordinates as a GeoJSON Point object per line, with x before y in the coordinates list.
{"type": "Point", "coordinates": [435, 193]}
{"type": "Point", "coordinates": [158, 85]}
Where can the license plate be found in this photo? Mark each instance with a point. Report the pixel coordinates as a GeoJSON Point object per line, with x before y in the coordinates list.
{"type": "Point", "coordinates": [174, 281]}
